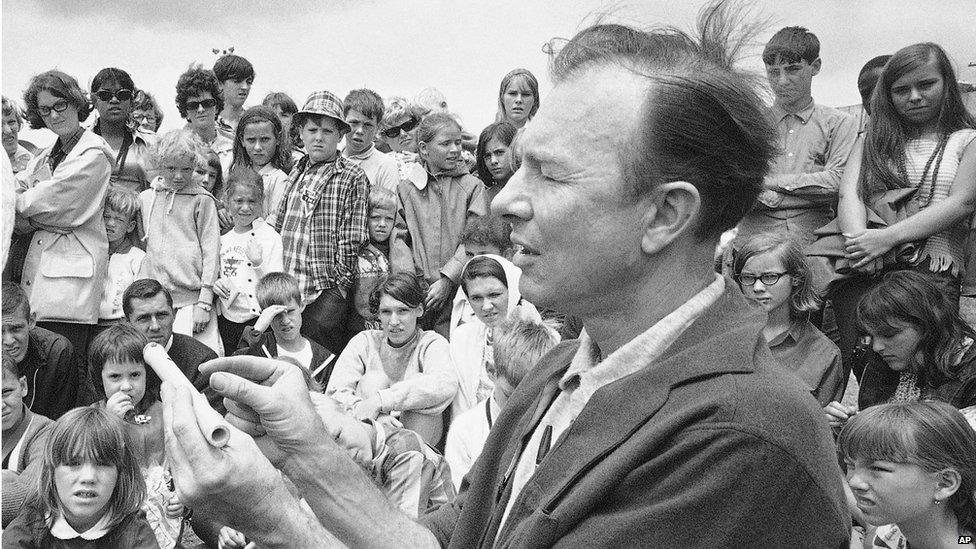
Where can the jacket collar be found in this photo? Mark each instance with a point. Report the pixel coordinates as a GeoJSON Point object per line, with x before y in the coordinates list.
{"type": "Point", "coordinates": [729, 324]}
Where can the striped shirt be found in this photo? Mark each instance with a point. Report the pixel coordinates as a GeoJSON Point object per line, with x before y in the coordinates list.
{"type": "Point", "coordinates": [322, 222]}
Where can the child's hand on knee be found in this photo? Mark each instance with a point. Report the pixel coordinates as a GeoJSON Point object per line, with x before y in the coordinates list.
{"type": "Point", "coordinates": [232, 539]}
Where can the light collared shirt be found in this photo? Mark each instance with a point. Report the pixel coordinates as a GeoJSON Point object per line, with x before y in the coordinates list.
{"type": "Point", "coordinates": [62, 530]}
{"type": "Point", "coordinates": [587, 373]}
{"type": "Point", "coordinates": [381, 168]}
{"type": "Point", "coordinates": [801, 187]}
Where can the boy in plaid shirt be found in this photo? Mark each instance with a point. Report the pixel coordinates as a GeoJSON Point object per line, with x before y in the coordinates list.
{"type": "Point", "coordinates": [322, 222]}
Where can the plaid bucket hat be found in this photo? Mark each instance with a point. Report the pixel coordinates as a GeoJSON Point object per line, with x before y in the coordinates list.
{"type": "Point", "coordinates": [325, 103]}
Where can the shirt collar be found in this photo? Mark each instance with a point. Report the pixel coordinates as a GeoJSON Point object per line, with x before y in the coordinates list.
{"type": "Point", "coordinates": [169, 343]}
{"type": "Point", "coordinates": [589, 373]}
{"type": "Point", "coordinates": [62, 530]}
{"type": "Point", "coordinates": [65, 145]}
{"type": "Point", "coordinates": [363, 155]}
{"type": "Point", "coordinates": [803, 114]}
{"type": "Point", "coordinates": [794, 332]}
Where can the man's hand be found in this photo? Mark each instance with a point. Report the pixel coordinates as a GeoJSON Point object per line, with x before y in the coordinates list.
{"type": "Point", "coordinates": [174, 507]}
{"type": "Point", "coordinates": [267, 315]}
{"type": "Point", "coordinates": [235, 484]}
{"type": "Point", "coordinates": [438, 294]}
{"type": "Point", "coordinates": [267, 399]}
{"type": "Point", "coordinates": [119, 404]}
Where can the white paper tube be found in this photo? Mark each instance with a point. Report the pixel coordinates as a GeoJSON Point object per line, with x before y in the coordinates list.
{"type": "Point", "coordinates": [212, 425]}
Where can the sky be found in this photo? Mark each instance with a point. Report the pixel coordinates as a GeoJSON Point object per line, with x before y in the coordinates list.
{"type": "Point", "coordinates": [398, 47]}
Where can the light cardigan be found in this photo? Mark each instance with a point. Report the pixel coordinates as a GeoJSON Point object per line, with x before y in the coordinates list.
{"type": "Point", "coordinates": [67, 261]}
{"type": "Point", "coordinates": [421, 375]}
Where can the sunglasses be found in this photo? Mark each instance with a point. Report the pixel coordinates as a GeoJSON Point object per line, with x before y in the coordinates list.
{"type": "Point", "coordinates": [107, 95]}
{"type": "Point", "coordinates": [406, 126]}
{"type": "Point", "coordinates": [205, 104]}
{"type": "Point", "coordinates": [58, 106]}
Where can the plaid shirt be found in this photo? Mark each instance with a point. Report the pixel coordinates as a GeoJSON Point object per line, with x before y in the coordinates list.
{"type": "Point", "coordinates": [61, 149]}
{"type": "Point", "coordinates": [322, 222]}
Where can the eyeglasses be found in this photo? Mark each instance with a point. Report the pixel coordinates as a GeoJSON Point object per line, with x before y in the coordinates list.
{"type": "Point", "coordinates": [406, 126]}
{"type": "Point", "coordinates": [107, 95]}
{"type": "Point", "coordinates": [58, 106]}
{"type": "Point", "coordinates": [768, 279]}
{"type": "Point", "coordinates": [205, 104]}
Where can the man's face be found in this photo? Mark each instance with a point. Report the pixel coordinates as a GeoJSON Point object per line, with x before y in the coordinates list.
{"type": "Point", "coordinates": [572, 213]}
{"type": "Point", "coordinates": [791, 81]}
{"type": "Point", "coordinates": [321, 138]}
{"type": "Point", "coordinates": [153, 317]}
{"type": "Point", "coordinates": [16, 334]}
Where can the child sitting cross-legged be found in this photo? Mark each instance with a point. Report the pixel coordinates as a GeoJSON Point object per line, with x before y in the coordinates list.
{"type": "Point", "coordinates": [519, 344]}
{"type": "Point", "coordinates": [281, 310]}
{"type": "Point", "coordinates": [130, 391]}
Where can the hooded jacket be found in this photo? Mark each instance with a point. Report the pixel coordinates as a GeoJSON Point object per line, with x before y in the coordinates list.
{"type": "Point", "coordinates": [182, 241]}
{"type": "Point", "coordinates": [67, 260]}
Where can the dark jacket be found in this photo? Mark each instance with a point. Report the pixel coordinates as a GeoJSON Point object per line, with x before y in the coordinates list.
{"type": "Point", "coordinates": [879, 382]}
{"type": "Point", "coordinates": [189, 354]}
{"type": "Point", "coordinates": [712, 445]}
{"type": "Point", "coordinates": [255, 343]}
{"type": "Point", "coordinates": [53, 377]}
{"type": "Point", "coordinates": [29, 531]}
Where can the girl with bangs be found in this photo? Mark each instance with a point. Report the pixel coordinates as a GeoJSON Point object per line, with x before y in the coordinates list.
{"type": "Point", "coordinates": [921, 348]}
{"type": "Point", "coordinates": [518, 98]}
{"type": "Point", "coordinates": [911, 469]}
{"type": "Point", "coordinates": [90, 490]}
{"type": "Point", "coordinates": [916, 169]}
{"type": "Point", "coordinates": [260, 144]}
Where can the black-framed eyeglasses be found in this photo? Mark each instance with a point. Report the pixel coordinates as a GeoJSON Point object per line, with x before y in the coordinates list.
{"type": "Point", "coordinates": [58, 106]}
{"type": "Point", "coordinates": [768, 279]}
{"type": "Point", "coordinates": [205, 104]}
{"type": "Point", "coordinates": [406, 126]}
{"type": "Point", "coordinates": [107, 95]}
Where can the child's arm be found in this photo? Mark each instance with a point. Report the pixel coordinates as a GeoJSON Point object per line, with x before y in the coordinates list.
{"type": "Point", "coordinates": [477, 207]}
{"type": "Point", "coordinates": [349, 369]}
{"type": "Point", "coordinates": [352, 234]}
{"type": "Point", "coordinates": [401, 258]}
{"type": "Point", "coordinates": [208, 232]}
{"type": "Point", "coordinates": [432, 390]}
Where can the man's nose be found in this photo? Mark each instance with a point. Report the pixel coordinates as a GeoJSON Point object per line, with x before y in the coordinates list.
{"type": "Point", "coordinates": [153, 323]}
{"type": "Point", "coordinates": [915, 95]}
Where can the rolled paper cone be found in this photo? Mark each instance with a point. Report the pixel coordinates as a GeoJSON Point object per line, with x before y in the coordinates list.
{"type": "Point", "coordinates": [212, 425]}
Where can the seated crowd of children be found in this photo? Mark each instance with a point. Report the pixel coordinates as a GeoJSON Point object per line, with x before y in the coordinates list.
{"type": "Point", "coordinates": [355, 240]}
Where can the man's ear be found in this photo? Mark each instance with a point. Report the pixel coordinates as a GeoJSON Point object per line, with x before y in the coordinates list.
{"type": "Point", "coordinates": [816, 66]}
{"type": "Point", "coordinates": [672, 210]}
{"type": "Point", "coordinates": [32, 321]}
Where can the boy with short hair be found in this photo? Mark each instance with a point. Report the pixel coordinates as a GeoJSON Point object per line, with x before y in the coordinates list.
{"type": "Point", "coordinates": [489, 234]}
{"type": "Point", "coordinates": [517, 348]}
{"type": "Point", "coordinates": [182, 235]}
{"type": "Point", "coordinates": [374, 260]}
{"type": "Point", "coordinates": [322, 221]}
{"type": "Point", "coordinates": [24, 436]}
{"type": "Point", "coordinates": [43, 357]}
{"type": "Point", "coordinates": [125, 260]}
{"type": "Point", "coordinates": [281, 310]}
{"type": "Point", "coordinates": [363, 111]}
{"type": "Point", "coordinates": [236, 75]}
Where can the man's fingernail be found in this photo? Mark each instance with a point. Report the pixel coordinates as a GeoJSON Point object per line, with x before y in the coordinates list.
{"type": "Point", "coordinates": [218, 381]}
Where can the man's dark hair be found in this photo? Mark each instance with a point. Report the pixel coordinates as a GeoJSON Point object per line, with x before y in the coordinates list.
{"type": "Point", "coordinates": [144, 288]}
{"type": "Point", "coordinates": [868, 78]}
{"type": "Point", "coordinates": [792, 45]}
{"type": "Point", "coordinates": [233, 67]}
{"type": "Point", "coordinates": [15, 300]}
{"type": "Point", "coordinates": [702, 121]}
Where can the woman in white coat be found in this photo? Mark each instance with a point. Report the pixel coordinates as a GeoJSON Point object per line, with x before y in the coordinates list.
{"type": "Point", "coordinates": [61, 197]}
